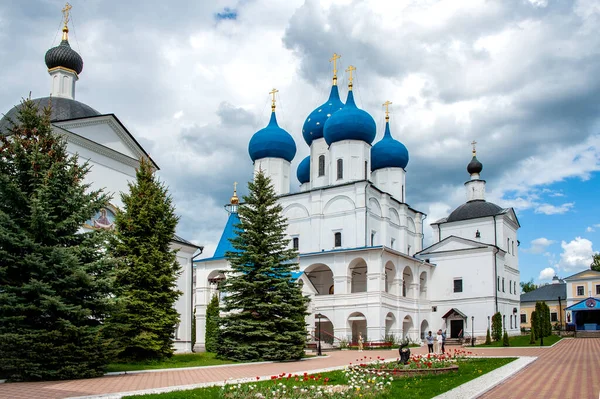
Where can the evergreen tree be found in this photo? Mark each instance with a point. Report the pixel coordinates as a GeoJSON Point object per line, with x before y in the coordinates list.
{"type": "Point", "coordinates": [265, 307]}
{"type": "Point", "coordinates": [55, 285]}
{"type": "Point", "coordinates": [547, 323]}
{"type": "Point", "coordinates": [535, 326]}
{"type": "Point", "coordinates": [193, 329]}
{"type": "Point", "coordinates": [528, 286]}
{"type": "Point", "coordinates": [211, 337]}
{"type": "Point", "coordinates": [505, 340]}
{"type": "Point", "coordinates": [146, 276]}
{"type": "Point", "coordinates": [497, 326]}
{"type": "Point", "coordinates": [532, 334]}
{"type": "Point", "coordinates": [488, 338]}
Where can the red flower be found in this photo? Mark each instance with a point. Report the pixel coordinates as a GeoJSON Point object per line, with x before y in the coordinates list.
{"type": "Point", "coordinates": [257, 378]}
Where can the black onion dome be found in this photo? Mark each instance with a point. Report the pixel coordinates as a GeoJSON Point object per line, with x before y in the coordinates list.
{"type": "Point", "coordinates": [474, 166]}
{"type": "Point", "coordinates": [62, 109]}
{"type": "Point", "coordinates": [64, 56]}
{"type": "Point", "coordinates": [474, 209]}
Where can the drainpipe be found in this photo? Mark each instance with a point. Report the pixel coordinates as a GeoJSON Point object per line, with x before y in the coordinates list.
{"type": "Point", "coordinates": [496, 263]}
{"type": "Point", "coordinates": [366, 212]}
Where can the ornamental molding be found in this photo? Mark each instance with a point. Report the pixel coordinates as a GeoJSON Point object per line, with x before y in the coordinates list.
{"type": "Point", "coordinates": [97, 148]}
{"type": "Point", "coordinates": [109, 120]}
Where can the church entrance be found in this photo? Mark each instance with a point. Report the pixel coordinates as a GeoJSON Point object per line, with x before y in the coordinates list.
{"type": "Point", "coordinates": [456, 328]}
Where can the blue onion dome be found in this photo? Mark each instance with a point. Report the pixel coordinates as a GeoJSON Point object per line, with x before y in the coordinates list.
{"type": "Point", "coordinates": [303, 172]}
{"type": "Point", "coordinates": [64, 56]}
{"type": "Point", "coordinates": [350, 123]}
{"type": "Point", "coordinates": [313, 126]}
{"type": "Point", "coordinates": [474, 166]}
{"type": "Point", "coordinates": [388, 152]}
{"type": "Point", "coordinates": [272, 142]}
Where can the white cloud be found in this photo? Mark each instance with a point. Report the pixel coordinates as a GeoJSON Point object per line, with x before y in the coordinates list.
{"type": "Point", "coordinates": [178, 115]}
{"type": "Point", "coordinates": [548, 209]}
{"type": "Point", "coordinates": [539, 245]}
{"type": "Point", "coordinates": [577, 254]}
{"type": "Point", "coordinates": [547, 274]}
{"type": "Point", "coordinates": [589, 229]}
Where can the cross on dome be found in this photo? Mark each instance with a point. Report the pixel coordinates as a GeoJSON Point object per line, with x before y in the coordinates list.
{"type": "Point", "coordinates": [350, 69]}
{"type": "Point", "coordinates": [272, 92]}
{"type": "Point", "coordinates": [334, 59]}
{"type": "Point", "coordinates": [387, 110]}
{"type": "Point", "coordinates": [473, 143]}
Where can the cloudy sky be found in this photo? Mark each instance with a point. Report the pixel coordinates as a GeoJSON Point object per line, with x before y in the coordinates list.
{"type": "Point", "coordinates": [190, 80]}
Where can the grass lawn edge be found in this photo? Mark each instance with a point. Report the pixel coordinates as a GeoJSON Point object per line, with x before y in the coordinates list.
{"type": "Point", "coordinates": [499, 346]}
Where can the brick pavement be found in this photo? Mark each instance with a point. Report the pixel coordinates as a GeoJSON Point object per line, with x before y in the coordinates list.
{"type": "Point", "coordinates": [568, 370]}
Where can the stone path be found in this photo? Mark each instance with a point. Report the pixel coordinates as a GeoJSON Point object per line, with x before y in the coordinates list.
{"type": "Point", "coordinates": [569, 370]}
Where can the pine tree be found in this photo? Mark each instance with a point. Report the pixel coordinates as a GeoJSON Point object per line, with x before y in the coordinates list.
{"type": "Point", "coordinates": [146, 276]}
{"type": "Point", "coordinates": [266, 308]}
{"type": "Point", "coordinates": [488, 338]}
{"type": "Point", "coordinates": [497, 326]}
{"type": "Point", "coordinates": [505, 340]}
{"type": "Point", "coordinates": [532, 334]}
{"type": "Point", "coordinates": [535, 325]}
{"type": "Point", "coordinates": [55, 285]}
{"type": "Point", "coordinates": [547, 323]}
{"type": "Point", "coordinates": [211, 338]}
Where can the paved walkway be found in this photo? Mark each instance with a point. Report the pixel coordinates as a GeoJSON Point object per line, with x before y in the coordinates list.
{"type": "Point", "coordinates": [569, 370]}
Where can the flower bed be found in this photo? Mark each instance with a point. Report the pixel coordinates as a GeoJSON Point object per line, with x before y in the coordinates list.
{"type": "Point", "coordinates": [416, 365]}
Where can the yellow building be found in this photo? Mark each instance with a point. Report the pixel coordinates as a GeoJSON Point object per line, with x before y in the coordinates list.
{"type": "Point", "coordinates": [553, 294]}
{"type": "Point", "coordinates": [583, 290]}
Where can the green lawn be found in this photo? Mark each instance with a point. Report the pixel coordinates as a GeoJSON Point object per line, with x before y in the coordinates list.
{"type": "Point", "coordinates": [523, 340]}
{"type": "Point", "coordinates": [407, 388]}
{"type": "Point", "coordinates": [177, 361]}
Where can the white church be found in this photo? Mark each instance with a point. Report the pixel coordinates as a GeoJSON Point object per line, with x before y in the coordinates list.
{"type": "Point", "coordinates": [360, 244]}
{"type": "Point", "coordinates": [113, 154]}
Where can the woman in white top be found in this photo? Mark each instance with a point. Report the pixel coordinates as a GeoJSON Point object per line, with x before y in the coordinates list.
{"type": "Point", "coordinates": [439, 342]}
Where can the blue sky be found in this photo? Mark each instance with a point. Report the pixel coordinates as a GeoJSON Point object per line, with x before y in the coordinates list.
{"type": "Point", "coordinates": [191, 79]}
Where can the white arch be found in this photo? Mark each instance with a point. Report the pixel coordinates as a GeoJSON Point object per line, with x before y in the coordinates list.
{"type": "Point", "coordinates": [423, 285]}
{"type": "Point", "coordinates": [390, 324]}
{"type": "Point", "coordinates": [321, 277]}
{"type": "Point", "coordinates": [390, 276]}
{"type": "Point", "coordinates": [407, 281]}
{"type": "Point", "coordinates": [407, 326]}
{"type": "Point", "coordinates": [357, 271]}
{"type": "Point", "coordinates": [374, 207]}
{"type": "Point", "coordinates": [342, 203]}
{"type": "Point", "coordinates": [394, 217]}
{"type": "Point", "coordinates": [295, 211]}
{"type": "Point", "coordinates": [357, 322]}
{"type": "Point", "coordinates": [424, 328]}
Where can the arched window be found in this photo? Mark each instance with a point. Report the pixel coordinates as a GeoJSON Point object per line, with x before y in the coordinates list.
{"type": "Point", "coordinates": [321, 165]}
{"type": "Point", "coordinates": [337, 238]}
{"type": "Point", "coordinates": [340, 169]}
{"type": "Point", "coordinates": [508, 245]}
{"type": "Point", "coordinates": [295, 243]}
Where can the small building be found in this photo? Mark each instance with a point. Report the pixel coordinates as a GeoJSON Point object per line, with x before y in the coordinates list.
{"type": "Point", "coordinates": [553, 294]}
{"type": "Point", "coordinates": [583, 300]}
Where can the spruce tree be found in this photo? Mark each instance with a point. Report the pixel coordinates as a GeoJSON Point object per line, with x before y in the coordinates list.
{"type": "Point", "coordinates": [488, 338]}
{"type": "Point", "coordinates": [211, 338]}
{"type": "Point", "coordinates": [55, 285]}
{"type": "Point", "coordinates": [147, 271]}
{"type": "Point", "coordinates": [535, 326]}
{"type": "Point", "coordinates": [497, 326]}
{"type": "Point", "coordinates": [265, 307]}
{"type": "Point", "coordinates": [505, 340]}
{"type": "Point", "coordinates": [532, 334]}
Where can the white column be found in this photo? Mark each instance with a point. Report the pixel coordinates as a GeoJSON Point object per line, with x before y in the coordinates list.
{"type": "Point", "coordinates": [63, 82]}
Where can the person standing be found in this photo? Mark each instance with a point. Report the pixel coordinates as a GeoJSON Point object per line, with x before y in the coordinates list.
{"type": "Point", "coordinates": [360, 342]}
{"type": "Point", "coordinates": [429, 339]}
{"type": "Point", "coordinates": [438, 349]}
{"type": "Point", "coordinates": [444, 341]}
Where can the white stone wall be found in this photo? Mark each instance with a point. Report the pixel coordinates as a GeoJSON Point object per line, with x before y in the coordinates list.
{"type": "Point", "coordinates": [183, 333]}
{"type": "Point", "coordinates": [278, 170]}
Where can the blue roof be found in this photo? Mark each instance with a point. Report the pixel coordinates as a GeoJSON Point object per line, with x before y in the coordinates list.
{"type": "Point", "coordinates": [272, 142]}
{"type": "Point", "coordinates": [350, 123]}
{"type": "Point", "coordinates": [315, 122]}
{"type": "Point", "coordinates": [303, 172]}
{"type": "Point", "coordinates": [225, 245]}
{"type": "Point", "coordinates": [587, 304]}
{"type": "Point", "coordinates": [388, 152]}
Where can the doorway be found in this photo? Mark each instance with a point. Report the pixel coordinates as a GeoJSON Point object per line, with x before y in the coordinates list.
{"type": "Point", "coordinates": [456, 328]}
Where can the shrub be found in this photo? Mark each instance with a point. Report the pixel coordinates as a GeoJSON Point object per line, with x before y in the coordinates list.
{"type": "Point", "coordinates": [505, 341]}
{"type": "Point", "coordinates": [497, 326]}
{"type": "Point", "coordinates": [488, 338]}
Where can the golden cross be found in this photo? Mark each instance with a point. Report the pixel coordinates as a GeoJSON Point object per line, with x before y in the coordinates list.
{"type": "Point", "coordinates": [65, 12]}
{"type": "Point", "coordinates": [234, 187]}
{"type": "Point", "coordinates": [387, 110]}
{"type": "Point", "coordinates": [473, 144]}
{"type": "Point", "coordinates": [334, 59]}
{"type": "Point", "coordinates": [272, 92]}
{"type": "Point", "coordinates": [350, 69]}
